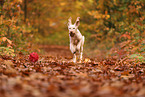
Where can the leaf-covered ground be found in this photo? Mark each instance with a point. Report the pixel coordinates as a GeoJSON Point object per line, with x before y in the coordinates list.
{"type": "Point", "coordinates": [55, 76]}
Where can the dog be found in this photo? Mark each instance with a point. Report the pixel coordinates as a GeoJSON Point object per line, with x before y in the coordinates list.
{"type": "Point", "coordinates": [76, 39]}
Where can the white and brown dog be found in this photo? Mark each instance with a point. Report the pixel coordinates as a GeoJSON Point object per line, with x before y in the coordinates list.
{"type": "Point", "coordinates": [76, 39]}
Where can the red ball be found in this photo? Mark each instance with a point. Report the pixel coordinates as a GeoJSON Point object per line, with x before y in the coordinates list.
{"type": "Point", "coordinates": [33, 57]}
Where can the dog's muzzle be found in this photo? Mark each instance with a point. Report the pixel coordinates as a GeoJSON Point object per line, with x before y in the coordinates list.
{"type": "Point", "coordinates": [71, 34]}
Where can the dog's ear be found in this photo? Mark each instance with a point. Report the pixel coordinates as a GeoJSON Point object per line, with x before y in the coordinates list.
{"type": "Point", "coordinates": [69, 21]}
{"type": "Point", "coordinates": [77, 23]}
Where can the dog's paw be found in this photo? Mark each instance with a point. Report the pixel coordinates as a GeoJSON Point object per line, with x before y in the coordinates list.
{"type": "Point", "coordinates": [72, 60]}
{"type": "Point", "coordinates": [80, 61]}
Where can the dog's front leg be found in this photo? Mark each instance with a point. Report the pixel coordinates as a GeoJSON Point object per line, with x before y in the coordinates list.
{"type": "Point", "coordinates": [73, 50]}
{"type": "Point", "coordinates": [74, 58]}
{"type": "Point", "coordinates": [80, 47]}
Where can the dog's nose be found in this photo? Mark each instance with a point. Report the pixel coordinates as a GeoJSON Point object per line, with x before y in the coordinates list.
{"type": "Point", "coordinates": [72, 34]}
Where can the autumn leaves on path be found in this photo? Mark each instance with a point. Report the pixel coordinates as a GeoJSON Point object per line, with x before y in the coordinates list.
{"type": "Point", "coordinates": [54, 76]}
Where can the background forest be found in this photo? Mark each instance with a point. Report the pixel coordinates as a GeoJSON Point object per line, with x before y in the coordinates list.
{"type": "Point", "coordinates": [111, 27]}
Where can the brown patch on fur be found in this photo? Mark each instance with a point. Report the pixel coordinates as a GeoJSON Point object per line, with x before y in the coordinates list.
{"type": "Point", "coordinates": [76, 42]}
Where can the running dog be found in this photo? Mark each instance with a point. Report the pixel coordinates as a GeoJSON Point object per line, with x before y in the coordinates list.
{"type": "Point", "coordinates": [76, 39]}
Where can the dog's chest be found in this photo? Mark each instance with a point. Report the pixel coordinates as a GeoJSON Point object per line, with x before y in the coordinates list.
{"type": "Point", "coordinates": [74, 40]}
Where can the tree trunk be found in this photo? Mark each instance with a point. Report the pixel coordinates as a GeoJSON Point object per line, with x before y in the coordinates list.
{"type": "Point", "coordinates": [25, 10]}
{"type": "Point", "coordinates": [1, 5]}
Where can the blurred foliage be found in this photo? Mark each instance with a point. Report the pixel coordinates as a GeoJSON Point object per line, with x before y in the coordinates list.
{"type": "Point", "coordinates": [113, 27]}
{"type": "Point", "coordinates": [6, 51]}
{"type": "Point", "coordinates": [15, 34]}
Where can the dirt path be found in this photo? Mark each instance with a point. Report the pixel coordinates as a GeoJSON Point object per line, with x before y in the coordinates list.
{"type": "Point", "coordinates": [56, 50]}
{"type": "Point", "coordinates": [64, 52]}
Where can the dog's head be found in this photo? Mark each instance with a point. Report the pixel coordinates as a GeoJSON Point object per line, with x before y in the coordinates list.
{"type": "Point", "coordinates": [73, 27]}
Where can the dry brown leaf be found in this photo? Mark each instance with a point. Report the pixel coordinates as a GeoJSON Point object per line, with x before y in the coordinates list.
{"type": "Point", "coordinates": [6, 39]}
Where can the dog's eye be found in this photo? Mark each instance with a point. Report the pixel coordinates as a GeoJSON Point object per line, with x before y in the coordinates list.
{"type": "Point", "coordinates": [73, 28]}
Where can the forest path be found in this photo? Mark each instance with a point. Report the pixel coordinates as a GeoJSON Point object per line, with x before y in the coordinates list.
{"type": "Point", "coordinates": [56, 50]}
